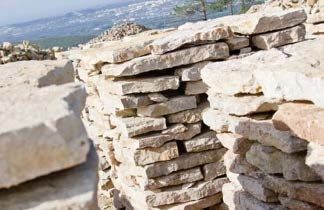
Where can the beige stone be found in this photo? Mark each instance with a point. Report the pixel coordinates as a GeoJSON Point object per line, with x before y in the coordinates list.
{"type": "Point", "coordinates": [188, 116]}
{"type": "Point", "coordinates": [200, 190]}
{"type": "Point", "coordinates": [75, 188]}
{"type": "Point", "coordinates": [187, 37]}
{"type": "Point", "coordinates": [237, 42]}
{"type": "Point", "coordinates": [145, 156]}
{"type": "Point", "coordinates": [261, 130]}
{"type": "Point", "coordinates": [36, 73]}
{"type": "Point", "coordinates": [139, 85]}
{"type": "Point", "coordinates": [173, 105]}
{"type": "Point", "coordinates": [134, 126]}
{"type": "Point", "coordinates": [214, 170]}
{"type": "Point", "coordinates": [273, 161]}
{"type": "Point", "coordinates": [177, 178]}
{"type": "Point", "coordinates": [296, 204]}
{"type": "Point", "coordinates": [315, 158]}
{"type": "Point", "coordinates": [202, 142]}
{"type": "Point", "coordinates": [238, 164]}
{"type": "Point", "coordinates": [173, 59]}
{"type": "Point", "coordinates": [193, 130]}
{"type": "Point", "coordinates": [192, 72]}
{"type": "Point", "coordinates": [315, 18]}
{"type": "Point", "coordinates": [234, 142]}
{"type": "Point", "coordinates": [304, 120]}
{"type": "Point", "coordinates": [242, 105]}
{"type": "Point", "coordinates": [255, 188]}
{"type": "Point", "coordinates": [195, 88]}
{"type": "Point", "coordinates": [279, 38]}
{"type": "Point", "coordinates": [235, 197]}
{"type": "Point", "coordinates": [121, 50]}
{"type": "Point", "coordinates": [184, 162]}
{"type": "Point", "coordinates": [50, 139]}
{"type": "Point", "coordinates": [308, 192]}
{"type": "Point", "coordinates": [157, 97]}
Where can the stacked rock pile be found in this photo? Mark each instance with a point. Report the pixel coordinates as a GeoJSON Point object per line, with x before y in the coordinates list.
{"type": "Point", "coordinates": [44, 146]}
{"type": "Point", "coordinates": [146, 97]}
{"type": "Point", "coordinates": [267, 110]}
{"type": "Point", "coordinates": [313, 8]}
{"type": "Point", "coordinates": [24, 51]}
{"type": "Point", "coordinates": [118, 32]}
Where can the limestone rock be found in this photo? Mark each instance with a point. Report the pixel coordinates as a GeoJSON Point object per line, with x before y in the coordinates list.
{"type": "Point", "coordinates": [308, 192]}
{"type": "Point", "coordinates": [201, 190]}
{"type": "Point", "coordinates": [134, 126]}
{"type": "Point", "coordinates": [139, 85]}
{"type": "Point", "coordinates": [188, 37]}
{"type": "Point", "coordinates": [121, 50]}
{"type": "Point", "coordinates": [279, 38]}
{"type": "Point", "coordinates": [157, 97]}
{"type": "Point", "coordinates": [192, 72]}
{"type": "Point", "coordinates": [237, 42]}
{"type": "Point", "coordinates": [184, 162]}
{"type": "Point", "coordinates": [147, 155]}
{"type": "Point", "coordinates": [256, 188]}
{"type": "Point", "coordinates": [242, 105]}
{"type": "Point", "coordinates": [188, 116]}
{"type": "Point", "coordinates": [51, 139]}
{"type": "Point", "coordinates": [161, 62]}
{"type": "Point", "coordinates": [234, 196]}
{"type": "Point", "coordinates": [193, 130]}
{"type": "Point", "coordinates": [304, 120]}
{"type": "Point", "coordinates": [273, 161]}
{"type": "Point", "coordinates": [314, 158]}
{"type": "Point", "coordinates": [296, 204]}
{"type": "Point", "coordinates": [173, 105]}
{"type": "Point", "coordinates": [195, 88]}
{"type": "Point", "coordinates": [36, 73]}
{"type": "Point", "coordinates": [75, 188]}
{"type": "Point", "coordinates": [202, 142]}
{"type": "Point", "coordinates": [214, 170]}
{"type": "Point", "coordinates": [263, 131]}
{"type": "Point", "coordinates": [177, 178]}
{"type": "Point", "coordinates": [237, 163]}
{"type": "Point", "coordinates": [315, 18]}
{"type": "Point", "coordinates": [235, 143]}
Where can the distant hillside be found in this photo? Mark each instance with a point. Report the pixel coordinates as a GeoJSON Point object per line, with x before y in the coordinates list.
{"type": "Point", "coordinates": [66, 41]}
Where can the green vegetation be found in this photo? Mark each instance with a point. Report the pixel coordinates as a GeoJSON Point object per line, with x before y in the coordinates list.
{"type": "Point", "coordinates": [66, 41]}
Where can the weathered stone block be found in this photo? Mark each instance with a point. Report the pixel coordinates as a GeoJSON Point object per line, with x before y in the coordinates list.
{"type": "Point", "coordinates": [202, 142]}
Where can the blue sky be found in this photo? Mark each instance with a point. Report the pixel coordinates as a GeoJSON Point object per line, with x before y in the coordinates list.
{"type": "Point", "coordinates": [14, 11]}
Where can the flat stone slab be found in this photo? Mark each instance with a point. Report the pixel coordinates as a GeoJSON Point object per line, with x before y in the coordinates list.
{"type": "Point", "coordinates": [189, 37]}
{"type": "Point", "coordinates": [134, 126]}
{"type": "Point", "coordinates": [141, 157]}
{"type": "Point", "coordinates": [202, 142]}
{"type": "Point", "coordinates": [177, 178]}
{"type": "Point", "coordinates": [139, 85]}
{"type": "Point", "coordinates": [50, 139]}
{"type": "Point", "coordinates": [75, 188]}
{"type": "Point", "coordinates": [36, 73]}
{"type": "Point", "coordinates": [173, 105]}
{"type": "Point", "coordinates": [296, 204]}
{"type": "Point", "coordinates": [279, 38]}
{"type": "Point", "coordinates": [234, 142]}
{"type": "Point", "coordinates": [308, 192]}
{"type": "Point", "coordinates": [273, 161]}
{"type": "Point", "coordinates": [121, 50]}
{"type": "Point", "coordinates": [242, 105]}
{"type": "Point", "coordinates": [188, 116]}
{"type": "Point", "coordinates": [214, 170]}
{"type": "Point", "coordinates": [262, 131]}
{"type": "Point", "coordinates": [237, 42]}
{"type": "Point", "coordinates": [148, 63]}
{"type": "Point", "coordinates": [192, 72]}
{"type": "Point", "coordinates": [315, 158]}
{"type": "Point", "coordinates": [195, 88]}
{"type": "Point", "coordinates": [256, 23]}
{"type": "Point", "coordinates": [183, 162]}
{"type": "Point", "coordinates": [304, 120]}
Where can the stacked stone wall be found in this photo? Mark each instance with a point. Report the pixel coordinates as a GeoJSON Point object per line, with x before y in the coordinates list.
{"type": "Point", "coordinates": [148, 96]}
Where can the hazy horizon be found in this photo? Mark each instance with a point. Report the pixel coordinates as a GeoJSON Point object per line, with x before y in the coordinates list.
{"type": "Point", "coordinates": [28, 10]}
